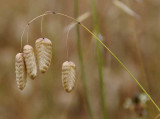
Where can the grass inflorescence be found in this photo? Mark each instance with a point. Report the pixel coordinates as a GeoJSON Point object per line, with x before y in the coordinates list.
{"type": "Point", "coordinates": [100, 42]}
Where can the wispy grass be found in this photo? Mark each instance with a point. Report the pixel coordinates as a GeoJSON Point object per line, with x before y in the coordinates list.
{"type": "Point", "coordinates": [99, 58]}
{"type": "Point", "coordinates": [125, 8]}
{"type": "Point", "coordinates": [83, 76]}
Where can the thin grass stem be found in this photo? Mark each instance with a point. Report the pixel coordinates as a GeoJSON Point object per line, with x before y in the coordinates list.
{"type": "Point", "coordinates": [100, 63]}
{"type": "Point", "coordinates": [83, 75]}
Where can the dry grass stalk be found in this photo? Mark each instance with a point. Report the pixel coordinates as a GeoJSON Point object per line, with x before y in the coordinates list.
{"type": "Point", "coordinates": [68, 76]}
{"type": "Point", "coordinates": [30, 61]}
{"type": "Point", "coordinates": [20, 71]}
{"type": "Point", "coordinates": [126, 9]}
{"type": "Point", "coordinates": [44, 53]}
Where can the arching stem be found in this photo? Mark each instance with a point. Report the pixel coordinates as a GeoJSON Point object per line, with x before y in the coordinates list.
{"type": "Point", "coordinates": [123, 67]}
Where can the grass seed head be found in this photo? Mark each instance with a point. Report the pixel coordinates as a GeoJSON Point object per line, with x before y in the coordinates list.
{"type": "Point", "coordinates": [68, 76]}
{"type": "Point", "coordinates": [20, 71]}
{"type": "Point", "coordinates": [44, 53]}
{"type": "Point", "coordinates": [30, 61]}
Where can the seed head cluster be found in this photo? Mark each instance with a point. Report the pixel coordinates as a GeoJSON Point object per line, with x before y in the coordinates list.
{"type": "Point", "coordinates": [29, 62]}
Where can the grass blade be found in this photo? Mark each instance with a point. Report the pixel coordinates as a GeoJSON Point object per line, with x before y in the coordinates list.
{"type": "Point", "coordinates": [99, 58]}
{"type": "Point", "coordinates": [83, 76]}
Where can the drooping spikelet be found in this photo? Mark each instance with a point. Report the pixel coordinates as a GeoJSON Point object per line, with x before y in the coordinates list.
{"type": "Point", "coordinates": [68, 76]}
{"type": "Point", "coordinates": [20, 71]}
{"type": "Point", "coordinates": [30, 61]}
{"type": "Point", "coordinates": [44, 53]}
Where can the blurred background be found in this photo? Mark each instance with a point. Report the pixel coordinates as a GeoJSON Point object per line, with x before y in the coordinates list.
{"type": "Point", "coordinates": [130, 28]}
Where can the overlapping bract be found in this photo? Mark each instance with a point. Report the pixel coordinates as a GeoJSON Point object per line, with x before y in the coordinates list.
{"type": "Point", "coordinates": [20, 70]}
{"type": "Point", "coordinates": [68, 76]}
{"type": "Point", "coordinates": [30, 61]}
{"type": "Point", "coordinates": [44, 53]}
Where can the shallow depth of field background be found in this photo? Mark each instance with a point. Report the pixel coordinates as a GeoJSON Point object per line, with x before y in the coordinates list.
{"type": "Point", "coordinates": [135, 41]}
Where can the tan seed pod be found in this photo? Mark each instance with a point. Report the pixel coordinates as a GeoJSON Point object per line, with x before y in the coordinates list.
{"type": "Point", "coordinates": [68, 76]}
{"type": "Point", "coordinates": [44, 53]}
{"type": "Point", "coordinates": [30, 61]}
{"type": "Point", "coordinates": [20, 71]}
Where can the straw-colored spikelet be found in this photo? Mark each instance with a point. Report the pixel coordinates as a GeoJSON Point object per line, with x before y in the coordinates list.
{"type": "Point", "coordinates": [44, 53]}
{"type": "Point", "coordinates": [68, 76]}
{"type": "Point", "coordinates": [30, 61]}
{"type": "Point", "coordinates": [20, 71]}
